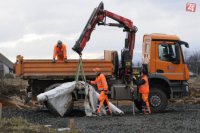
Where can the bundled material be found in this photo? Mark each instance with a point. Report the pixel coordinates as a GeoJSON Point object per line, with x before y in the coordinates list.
{"type": "Point", "coordinates": [60, 98]}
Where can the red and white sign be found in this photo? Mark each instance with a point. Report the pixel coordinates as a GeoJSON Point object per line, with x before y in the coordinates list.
{"type": "Point", "coordinates": [191, 7]}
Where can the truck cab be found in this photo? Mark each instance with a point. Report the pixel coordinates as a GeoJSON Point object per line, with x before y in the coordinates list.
{"type": "Point", "coordinates": [168, 72]}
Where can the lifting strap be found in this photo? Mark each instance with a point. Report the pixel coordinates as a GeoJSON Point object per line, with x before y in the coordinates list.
{"type": "Point", "coordinates": [80, 68]}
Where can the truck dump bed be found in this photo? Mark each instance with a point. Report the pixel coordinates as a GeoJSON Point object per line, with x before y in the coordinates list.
{"type": "Point", "coordinates": [45, 69]}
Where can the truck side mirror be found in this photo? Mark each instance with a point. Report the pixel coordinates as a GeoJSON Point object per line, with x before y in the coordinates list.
{"type": "Point", "coordinates": [177, 50]}
{"type": "Point", "coordinates": [184, 43]}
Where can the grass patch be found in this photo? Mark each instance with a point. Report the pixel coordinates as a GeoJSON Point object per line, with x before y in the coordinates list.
{"type": "Point", "coordinates": [19, 125]}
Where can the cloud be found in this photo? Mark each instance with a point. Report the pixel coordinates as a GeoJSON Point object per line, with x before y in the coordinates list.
{"type": "Point", "coordinates": [28, 38]}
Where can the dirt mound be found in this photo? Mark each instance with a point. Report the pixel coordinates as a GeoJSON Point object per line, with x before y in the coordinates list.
{"type": "Point", "coordinates": [194, 93]}
{"type": "Point", "coordinates": [12, 93]}
{"type": "Point", "coordinates": [194, 84]}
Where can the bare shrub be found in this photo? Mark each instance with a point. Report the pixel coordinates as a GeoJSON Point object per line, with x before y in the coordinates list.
{"type": "Point", "coordinates": [193, 62]}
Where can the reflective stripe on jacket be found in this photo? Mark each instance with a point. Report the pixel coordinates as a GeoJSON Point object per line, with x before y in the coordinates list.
{"type": "Point", "coordinates": [101, 82]}
{"type": "Point", "coordinates": [145, 87]}
{"type": "Point", "coordinates": [60, 53]}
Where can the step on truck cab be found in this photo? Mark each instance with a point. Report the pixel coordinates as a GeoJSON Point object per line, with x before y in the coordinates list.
{"type": "Point", "coordinates": [168, 72]}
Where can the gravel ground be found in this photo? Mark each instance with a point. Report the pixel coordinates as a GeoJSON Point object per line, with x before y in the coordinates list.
{"type": "Point", "coordinates": [176, 118]}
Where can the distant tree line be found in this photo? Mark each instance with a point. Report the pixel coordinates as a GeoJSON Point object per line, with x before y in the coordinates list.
{"type": "Point", "coordinates": [193, 61]}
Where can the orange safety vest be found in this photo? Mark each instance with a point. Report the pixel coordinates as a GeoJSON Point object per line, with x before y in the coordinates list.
{"type": "Point", "coordinates": [101, 82]}
{"type": "Point", "coordinates": [60, 53]}
{"type": "Point", "coordinates": [144, 89]}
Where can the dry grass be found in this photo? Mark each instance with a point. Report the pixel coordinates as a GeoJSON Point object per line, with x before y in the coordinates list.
{"type": "Point", "coordinates": [19, 125]}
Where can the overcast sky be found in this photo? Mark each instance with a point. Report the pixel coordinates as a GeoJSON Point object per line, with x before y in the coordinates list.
{"type": "Point", "coordinates": [32, 27]}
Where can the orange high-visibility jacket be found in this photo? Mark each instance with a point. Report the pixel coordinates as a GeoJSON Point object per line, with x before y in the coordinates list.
{"type": "Point", "coordinates": [101, 82]}
{"type": "Point", "coordinates": [145, 87]}
{"type": "Point", "coordinates": [61, 54]}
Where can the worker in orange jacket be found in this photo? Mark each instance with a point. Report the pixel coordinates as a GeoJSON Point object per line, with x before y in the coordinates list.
{"type": "Point", "coordinates": [102, 86]}
{"type": "Point", "coordinates": [143, 84]}
{"type": "Point", "coordinates": [60, 52]}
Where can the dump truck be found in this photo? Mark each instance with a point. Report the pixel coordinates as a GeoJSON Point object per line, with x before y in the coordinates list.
{"type": "Point", "coordinates": [162, 55]}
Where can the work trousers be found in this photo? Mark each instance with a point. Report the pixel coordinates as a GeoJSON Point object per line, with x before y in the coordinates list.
{"type": "Point", "coordinates": [145, 101]}
{"type": "Point", "coordinates": [103, 100]}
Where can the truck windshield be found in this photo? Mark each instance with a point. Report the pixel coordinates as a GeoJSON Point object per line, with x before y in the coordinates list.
{"type": "Point", "coordinates": [167, 52]}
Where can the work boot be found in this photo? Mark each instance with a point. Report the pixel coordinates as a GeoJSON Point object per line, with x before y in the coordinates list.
{"type": "Point", "coordinates": [143, 110]}
{"type": "Point", "coordinates": [109, 113]}
{"type": "Point", "coordinates": [147, 111]}
{"type": "Point", "coordinates": [97, 113]}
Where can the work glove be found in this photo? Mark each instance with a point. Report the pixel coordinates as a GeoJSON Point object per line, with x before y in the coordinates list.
{"type": "Point", "coordinates": [65, 60]}
{"type": "Point", "coordinates": [132, 89]}
{"type": "Point", "coordinates": [54, 60]}
{"type": "Point", "coordinates": [106, 92]}
{"type": "Point", "coordinates": [134, 78]}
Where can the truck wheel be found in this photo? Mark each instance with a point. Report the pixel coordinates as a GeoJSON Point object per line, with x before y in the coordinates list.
{"type": "Point", "coordinates": [50, 108]}
{"type": "Point", "coordinates": [157, 100]}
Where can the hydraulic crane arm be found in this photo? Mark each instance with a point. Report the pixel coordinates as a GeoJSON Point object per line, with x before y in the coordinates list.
{"type": "Point", "coordinates": [89, 27]}
{"type": "Point", "coordinates": [98, 16]}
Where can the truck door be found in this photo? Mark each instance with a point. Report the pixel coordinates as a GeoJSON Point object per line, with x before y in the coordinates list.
{"type": "Point", "coordinates": [169, 60]}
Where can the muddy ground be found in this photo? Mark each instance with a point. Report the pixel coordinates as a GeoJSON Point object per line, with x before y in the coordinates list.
{"type": "Point", "coordinates": [176, 118]}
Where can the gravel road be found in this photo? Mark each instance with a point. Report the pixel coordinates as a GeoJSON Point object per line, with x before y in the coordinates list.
{"type": "Point", "coordinates": [176, 119]}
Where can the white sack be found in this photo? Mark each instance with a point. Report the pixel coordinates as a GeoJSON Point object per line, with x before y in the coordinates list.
{"type": "Point", "coordinates": [59, 98]}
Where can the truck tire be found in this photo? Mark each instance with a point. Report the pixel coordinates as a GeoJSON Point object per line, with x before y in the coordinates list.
{"type": "Point", "coordinates": [50, 108]}
{"type": "Point", "coordinates": [157, 100]}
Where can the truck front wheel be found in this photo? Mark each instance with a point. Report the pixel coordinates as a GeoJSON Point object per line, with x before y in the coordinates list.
{"type": "Point", "coordinates": [157, 100]}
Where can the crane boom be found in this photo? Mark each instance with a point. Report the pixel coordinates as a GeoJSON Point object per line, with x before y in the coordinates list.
{"type": "Point", "coordinates": [89, 27]}
{"type": "Point", "coordinates": [98, 17]}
